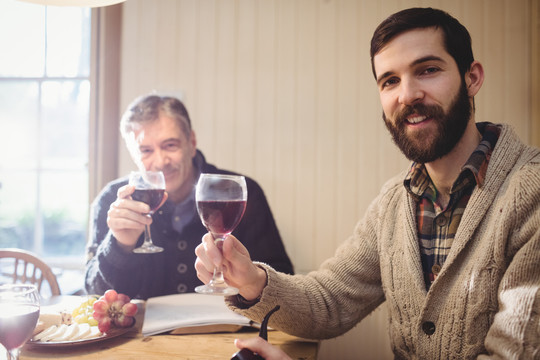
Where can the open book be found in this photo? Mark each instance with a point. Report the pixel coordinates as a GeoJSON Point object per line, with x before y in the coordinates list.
{"type": "Point", "coordinates": [190, 313]}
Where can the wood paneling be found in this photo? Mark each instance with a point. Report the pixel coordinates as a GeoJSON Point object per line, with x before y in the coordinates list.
{"type": "Point", "coordinates": [282, 91]}
{"type": "Point", "coordinates": [105, 109]}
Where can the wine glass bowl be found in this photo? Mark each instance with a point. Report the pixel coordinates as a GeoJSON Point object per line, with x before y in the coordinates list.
{"type": "Point", "coordinates": [221, 202]}
{"type": "Point", "coordinates": [19, 313]}
{"type": "Point", "coordinates": [149, 189]}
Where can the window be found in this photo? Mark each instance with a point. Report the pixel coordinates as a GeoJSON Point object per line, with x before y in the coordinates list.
{"type": "Point", "coordinates": [44, 130]}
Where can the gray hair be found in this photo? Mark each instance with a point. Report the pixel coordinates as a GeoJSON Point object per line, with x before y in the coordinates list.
{"type": "Point", "coordinates": [148, 108]}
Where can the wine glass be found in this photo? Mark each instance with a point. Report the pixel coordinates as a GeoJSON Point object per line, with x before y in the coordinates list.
{"type": "Point", "coordinates": [150, 189]}
{"type": "Point", "coordinates": [221, 202]}
{"type": "Point", "coordinates": [19, 313]}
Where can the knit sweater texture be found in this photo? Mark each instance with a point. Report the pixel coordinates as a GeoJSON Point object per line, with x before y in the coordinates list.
{"type": "Point", "coordinates": [485, 303]}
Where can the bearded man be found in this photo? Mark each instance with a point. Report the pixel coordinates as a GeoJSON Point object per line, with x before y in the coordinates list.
{"type": "Point", "coordinates": [452, 244]}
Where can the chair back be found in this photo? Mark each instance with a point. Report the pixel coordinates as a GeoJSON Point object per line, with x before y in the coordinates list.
{"type": "Point", "coordinates": [21, 266]}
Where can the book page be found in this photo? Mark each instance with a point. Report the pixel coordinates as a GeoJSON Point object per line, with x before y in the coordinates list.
{"type": "Point", "coordinates": [166, 313]}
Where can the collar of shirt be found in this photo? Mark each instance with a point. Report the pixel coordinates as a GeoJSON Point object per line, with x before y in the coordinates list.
{"type": "Point", "coordinates": [184, 212]}
{"type": "Point", "coordinates": [418, 183]}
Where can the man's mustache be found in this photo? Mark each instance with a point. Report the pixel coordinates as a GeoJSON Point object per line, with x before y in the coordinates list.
{"type": "Point", "coordinates": [433, 111]}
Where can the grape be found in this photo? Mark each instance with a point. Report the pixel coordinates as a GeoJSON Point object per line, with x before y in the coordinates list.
{"type": "Point", "coordinates": [104, 324]}
{"type": "Point", "coordinates": [123, 320]}
{"type": "Point", "coordinates": [113, 309]}
{"type": "Point", "coordinates": [110, 296]}
{"type": "Point", "coordinates": [123, 298]}
{"type": "Point", "coordinates": [101, 306]}
{"type": "Point", "coordinates": [92, 321]}
{"type": "Point", "coordinates": [81, 319]}
{"type": "Point", "coordinates": [82, 313]}
{"type": "Point", "coordinates": [129, 309]}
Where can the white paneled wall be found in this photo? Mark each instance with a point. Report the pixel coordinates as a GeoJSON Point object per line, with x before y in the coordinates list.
{"type": "Point", "coordinates": [282, 91]}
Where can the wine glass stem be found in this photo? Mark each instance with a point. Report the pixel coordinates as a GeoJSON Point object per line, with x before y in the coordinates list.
{"type": "Point", "coordinates": [13, 354]}
{"type": "Point", "coordinates": [217, 278]}
{"type": "Point", "coordinates": [147, 238]}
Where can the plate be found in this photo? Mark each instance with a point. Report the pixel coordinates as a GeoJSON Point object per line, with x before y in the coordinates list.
{"type": "Point", "coordinates": [114, 332]}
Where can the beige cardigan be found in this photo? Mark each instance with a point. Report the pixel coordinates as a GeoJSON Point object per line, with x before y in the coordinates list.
{"type": "Point", "coordinates": [486, 299]}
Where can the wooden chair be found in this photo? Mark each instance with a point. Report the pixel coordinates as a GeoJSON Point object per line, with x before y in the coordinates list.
{"type": "Point", "coordinates": [28, 268]}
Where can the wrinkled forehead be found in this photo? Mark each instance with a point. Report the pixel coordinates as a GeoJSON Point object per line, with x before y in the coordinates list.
{"type": "Point", "coordinates": [158, 130]}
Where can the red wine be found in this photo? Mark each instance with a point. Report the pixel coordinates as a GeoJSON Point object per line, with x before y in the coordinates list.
{"type": "Point", "coordinates": [152, 197]}
{"type": "Point", "coordinates": [221, 217]}
{"type": "Point", "coordinates": [17, 323]}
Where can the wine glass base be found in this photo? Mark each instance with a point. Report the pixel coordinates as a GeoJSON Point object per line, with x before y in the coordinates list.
{"type": "Point", "coordinates": [148, 249]}
{"type": "Point", "coordinates": [217, 290]}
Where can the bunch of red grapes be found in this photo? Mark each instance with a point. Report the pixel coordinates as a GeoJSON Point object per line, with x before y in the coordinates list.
{"type": "Point", "coordinates": [114, 309]}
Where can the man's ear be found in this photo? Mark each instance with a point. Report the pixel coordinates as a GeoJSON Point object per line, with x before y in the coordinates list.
{"type": "Point", "coordinates": [474, 78]}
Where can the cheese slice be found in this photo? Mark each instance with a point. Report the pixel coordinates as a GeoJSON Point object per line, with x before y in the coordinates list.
{"type": "Point", "coordinates": [94, 332]}
{"type": "Point", "coordinates": [71, 332]}
{"type": "Point", "coordinates": [57, 334]}
{"type": "Point", "coordinates": [48, 331]}
{"type": "Point", "coordinates": [65, 332]}
{"type": "Point", "coordinates": [84, 330]}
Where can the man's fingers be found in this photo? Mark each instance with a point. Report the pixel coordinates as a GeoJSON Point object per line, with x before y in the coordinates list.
{"type": "Point", "coordinates": [203, 262]}
{"type": "Point", "coordinates": [262, 347]}
{"type": "Point", "coordinates": [121, 214]}
{"type": "Point", "coordinates": [233, 249]}
{"type": "Point", "coordinates": [118, 223]}
{"type": "Point", "coordinates": [213, 253]}
{"type": "Point", "coordinates": [234, 260]}
{"type": "Point", "coordinates": [208, 256]}
{"type": "Point", "coordinates": [125, 191]}
{"type": "Point", "coordinates": [202, 272]}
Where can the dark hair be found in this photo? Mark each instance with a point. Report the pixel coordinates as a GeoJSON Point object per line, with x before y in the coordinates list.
{"type": "Point", "coordinates": [147, 108]}
{"type": "Point", "coordinates": [457, 40]}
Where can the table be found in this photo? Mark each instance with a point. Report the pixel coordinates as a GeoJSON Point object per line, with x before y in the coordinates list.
{"type": "Point", "coordinates": [132, 345]}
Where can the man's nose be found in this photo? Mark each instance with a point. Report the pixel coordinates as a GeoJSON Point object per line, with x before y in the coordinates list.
{"type": "Point", "coordinates": [410, 92]}
{"type": "Point", "coordinates": [160, 160]}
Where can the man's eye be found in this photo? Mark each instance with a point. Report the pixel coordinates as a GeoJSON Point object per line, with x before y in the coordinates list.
{"type": "Point", "coordinates": [390, 82]}
{"type": "Point", "coordinates": [171, 147]}
{"type": "Point", "coordinates": [145, 151]}
{"type": "Point", "coordinates": [431, 70]}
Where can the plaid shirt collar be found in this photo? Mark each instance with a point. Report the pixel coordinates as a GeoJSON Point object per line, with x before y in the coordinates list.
{"type": "Point", "coordinates": [474, 171]}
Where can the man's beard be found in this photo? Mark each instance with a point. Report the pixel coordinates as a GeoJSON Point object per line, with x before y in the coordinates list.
{"type": "Point", "coordinates": [450, 128]}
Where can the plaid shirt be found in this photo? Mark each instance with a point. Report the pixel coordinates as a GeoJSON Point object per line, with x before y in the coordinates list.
{"type": "Point", "coordinates": [436, 226]}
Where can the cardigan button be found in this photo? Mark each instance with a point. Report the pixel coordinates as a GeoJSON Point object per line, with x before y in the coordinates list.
{"type": "Point", "coordinates": [181, 268]}
{"type": "Point", "coordinates": [182, 245]}
{"type": "Point", "coordinates": [428, 327]}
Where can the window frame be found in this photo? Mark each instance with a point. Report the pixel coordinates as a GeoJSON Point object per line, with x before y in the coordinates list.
{"type": "Point", "coordinates": [103, 133]}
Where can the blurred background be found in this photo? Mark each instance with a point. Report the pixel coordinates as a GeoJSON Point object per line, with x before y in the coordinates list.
{"type": "Point", "coordinates": [280, 90]}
